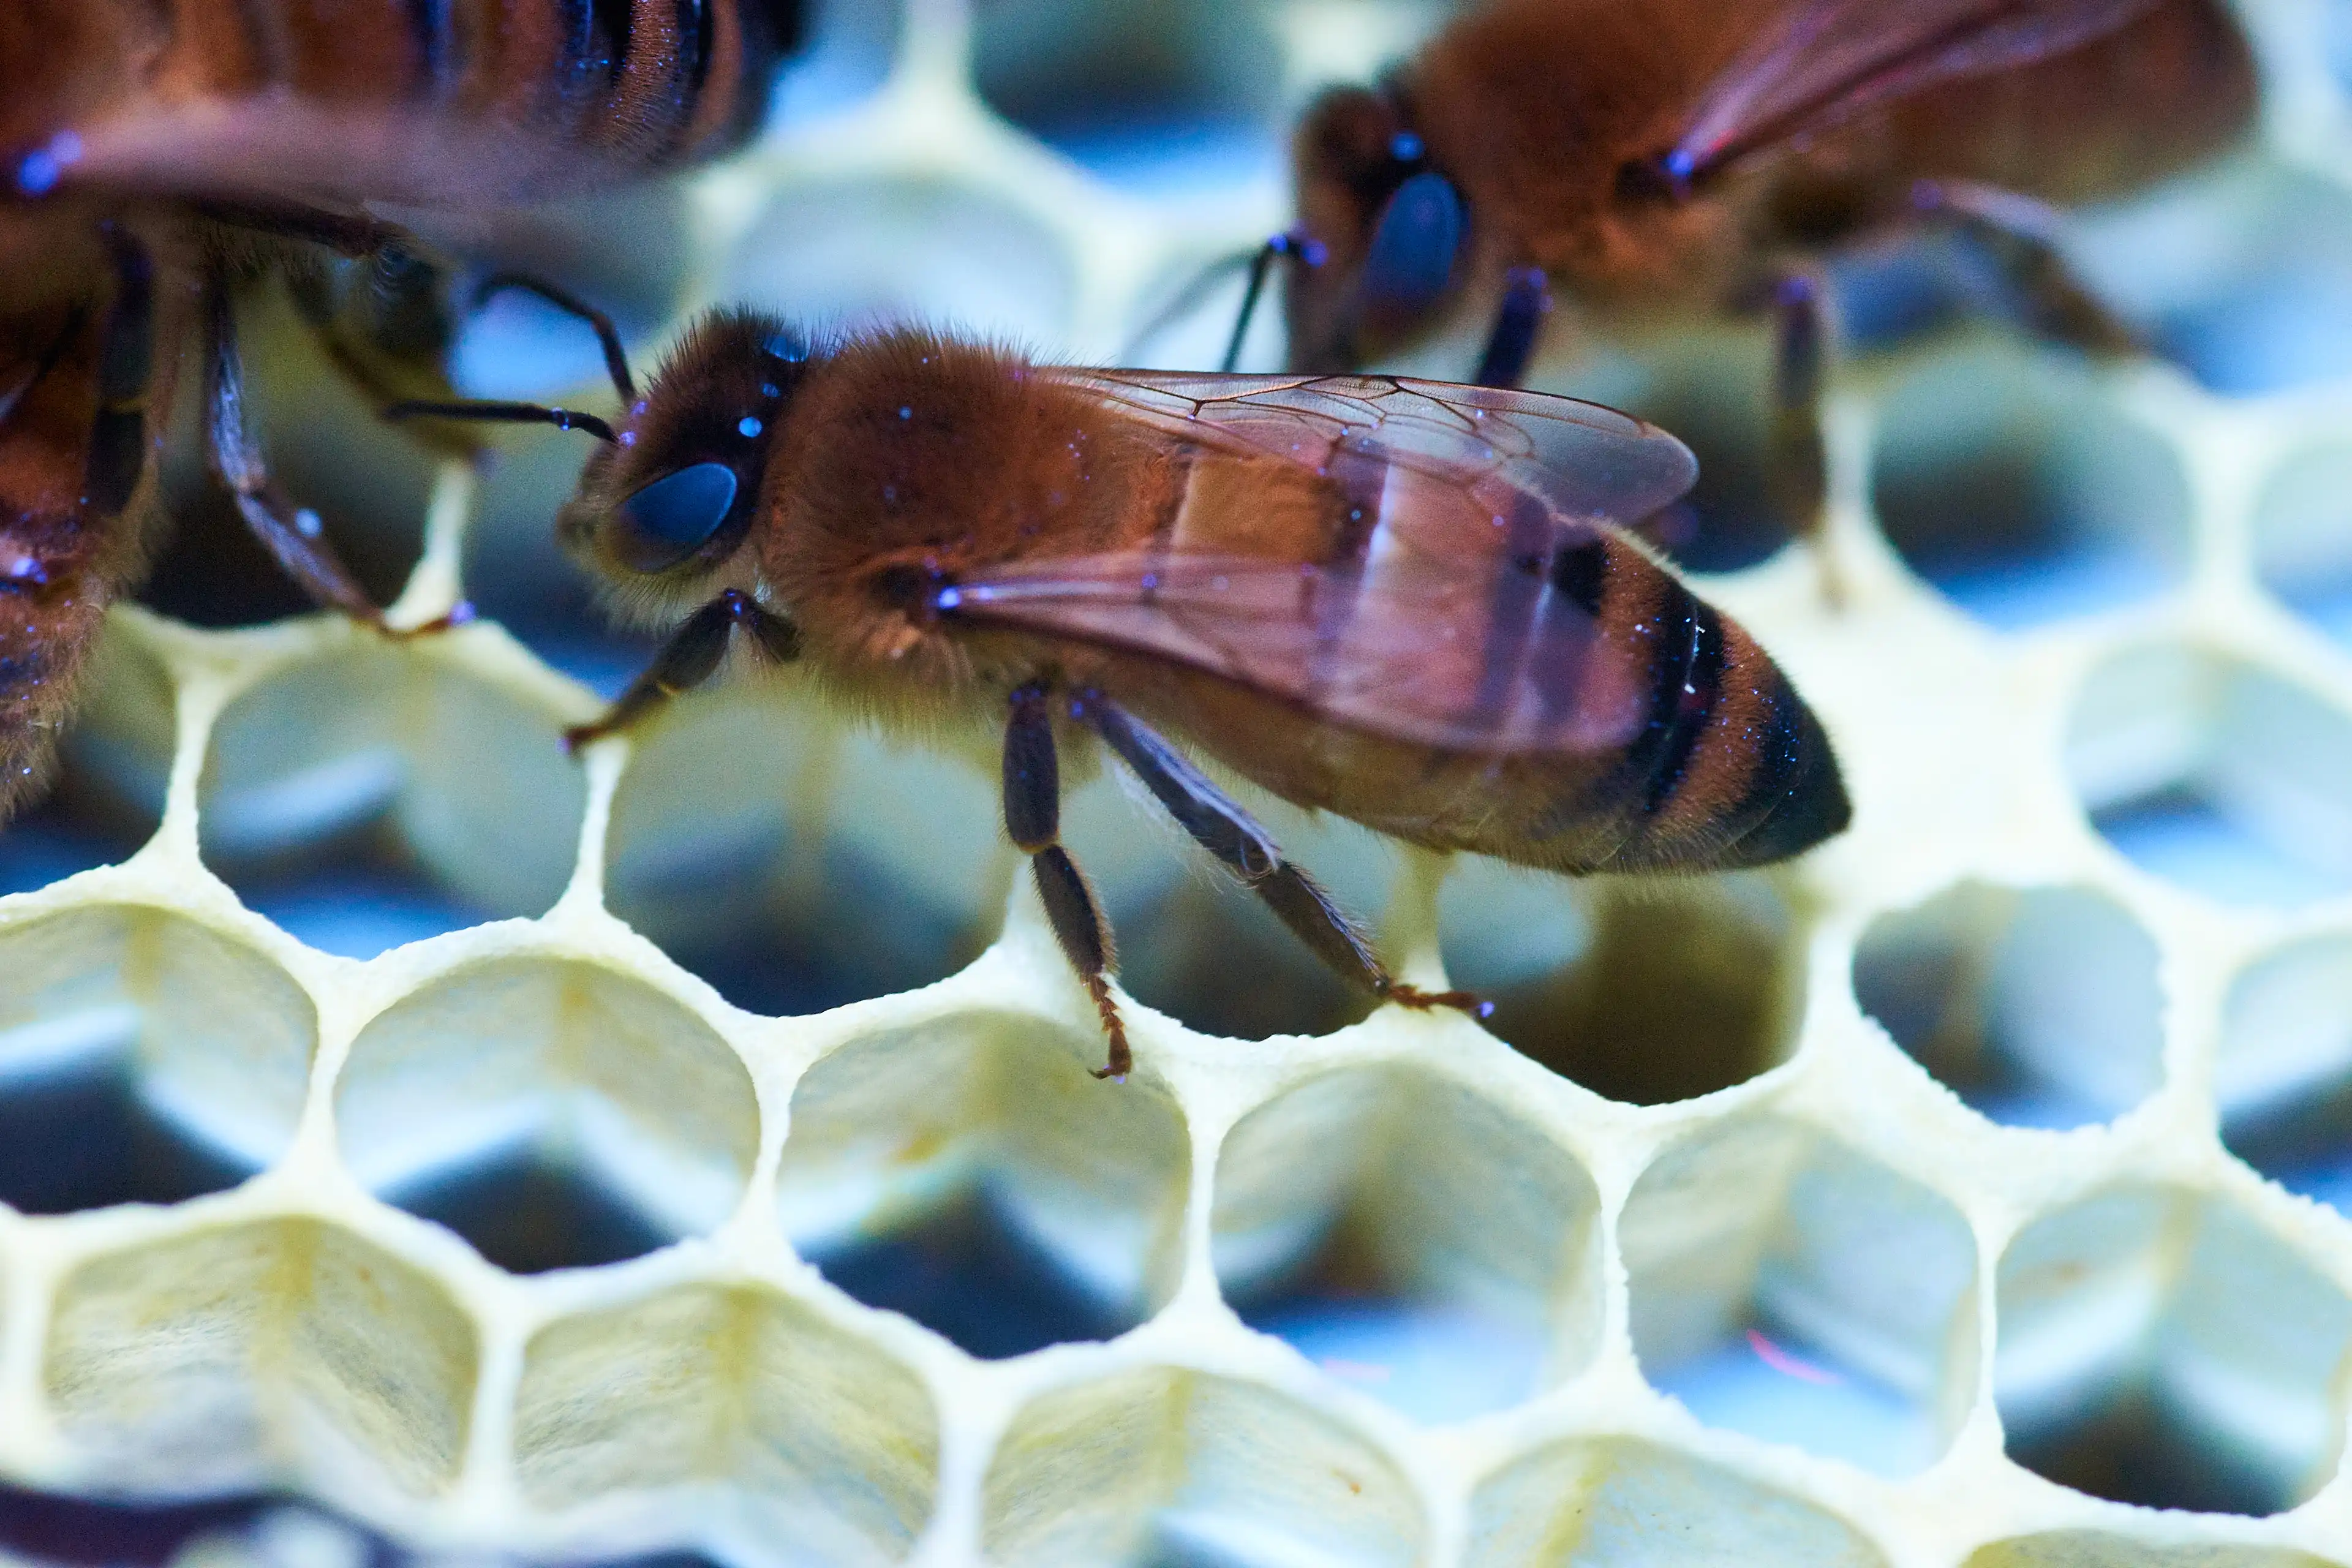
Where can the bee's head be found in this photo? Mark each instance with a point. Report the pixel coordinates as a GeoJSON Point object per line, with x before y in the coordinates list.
{"type": "Point", "coordinates": [1386, 231]}
{"type": "Point", "coordinates": [667, 507]}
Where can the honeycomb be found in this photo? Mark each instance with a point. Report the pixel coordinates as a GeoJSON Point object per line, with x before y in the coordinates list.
{"type": "Point", "coordinates": [690, 1149]}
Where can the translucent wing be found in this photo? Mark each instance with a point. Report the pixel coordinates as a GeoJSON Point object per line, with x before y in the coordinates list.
{"type": "Point", "coordinates": [1825, 60]}
{"type": "Point", "coordinates": [1587, 461]}
{"type": "Point", "coordinates": [1490, 609]}
{"type": "Point", "coordinates": [312, 154]}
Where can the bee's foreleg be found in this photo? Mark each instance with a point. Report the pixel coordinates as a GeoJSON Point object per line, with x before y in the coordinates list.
{"type": "Point", "coordinates": [2020, 235]}
{"type": "Point", "coordinates": [1518, 323]}
{"type": "Point", "coordinates": [1219, 824]}
{"type": "Point", "coordinates": [689, 658]}
{"type": "Point", "coordinates": [1033, 818]}
{"type": "Point", "coordinates": [291, 533]}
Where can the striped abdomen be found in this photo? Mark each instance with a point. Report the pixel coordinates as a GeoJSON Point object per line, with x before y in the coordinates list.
{"type": "Point", "coordinates": [646, 82]}
{"type": "Point", "coordinates": [1470, 671]}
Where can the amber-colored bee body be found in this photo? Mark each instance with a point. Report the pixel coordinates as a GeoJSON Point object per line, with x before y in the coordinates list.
{"type": "Point", "coordinates": [1405, 602]}
{"type": "Point", "coordinates": [150, 156]}
{"type": "Point", "coordinates": [1656, 161]}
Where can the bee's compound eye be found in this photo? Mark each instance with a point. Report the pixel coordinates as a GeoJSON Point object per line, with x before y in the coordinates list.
{"type": "Point", "coordinates": [667, 521]}
{"type": "Point", "coordinates": [1415, 243]}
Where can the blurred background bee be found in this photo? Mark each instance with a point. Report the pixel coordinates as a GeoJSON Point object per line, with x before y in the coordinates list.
{"type": "Point", "coordinates": [154, 160]}
{"type": "Point", "coordinates": [1407, 602]}
{"type": "Point", "coordinates": [1656, 163]}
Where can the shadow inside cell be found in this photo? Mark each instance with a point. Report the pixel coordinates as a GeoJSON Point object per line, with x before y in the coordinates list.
{"type": "Point", "coordinates": [115, 1025]}
{"type": "Point", "coordinates": [972, 1174]}
{"type": "Point", "coordinates": [553, 1113]}
{"type": "Point", "coordinates": [355, 894]}
{"type": "Point", "coordinates": [76, 1133]}
{"type": "Point", "coordinates": [2006, 479]}
{"type": "Point", "coordinates": [2303, 538]}
{"type": "Point", "coordinates": [1364, 1326]}
{"type": "Point", "coordinates": [1711, 387]}
{"type": "Point", "coordinates": [72, 830]}
{"type": "Point", "coordinates": [967, 1272]}
{"type": "Point", "coordinates": [2166, 1350]}
{"type": "Point", "coordinates": [2039, 1007]}
{"type": "Point", "coordinates": [1412, 1240]}
{"type": "Point", "coordinates": [1760, 1260]}
{"type": "Point", "coordinates": [2216, 774]}
{"type": "Point", "coordinates": [796, 865]}
{"type": "Point", "coordinates": [1137, 94]}
{"type": "Point", "coordinates": [530, 1211]}
{"type": "Point", "coordinates": [2283, 1075]}
{"type": "Point", "coordinates": [2130, 1445]}
{"type": "Point", "coordinates": [378, 796]}
{"type": "Point", "coordinates": [1641, 993]}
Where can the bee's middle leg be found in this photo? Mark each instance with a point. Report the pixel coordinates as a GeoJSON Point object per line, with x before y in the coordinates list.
{"type": "Point", "coordinates": [1219, 824]}
{"type": "Point", "coordinates": [1033, 819]}
{"type": "Point", "coordinates": [291, 533]}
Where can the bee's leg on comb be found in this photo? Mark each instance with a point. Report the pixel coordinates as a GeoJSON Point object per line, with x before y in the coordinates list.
{"type": "Point", "coordinates": [2021, 234]}
{"type": "Point", "coordinates": [289, 532]}
{"type": "Point", "coordinates": [1219, 824]}
{"type": "Point", "coordinates": [1796, 463]}
{"type": "Point", "coordinates": [689, 658]}
{"type": "Point", "coordinates": [1033, 819]}
{"type": "Point", "coordinates": [1526, 300]}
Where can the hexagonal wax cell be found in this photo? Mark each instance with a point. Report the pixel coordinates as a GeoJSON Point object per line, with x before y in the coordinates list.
{"type": "Point", "coordinates": [383, 795]}
{"type": "Point", "coordinates": [2161, 1347]}
{"type": "Point", "coordinates": [797, 864]}
{"type": "Point", "coordinates": [751, 1410]}
{"type": "Point", "coordinates": [2215, 774]}
{"type": "Point", "coordinates": [2303, 538]}
{"type": "Point", "coordinates": [1603, 1502]}
{"type": "Point", "coordinates": [2037, 1007]}
{"type": "Point", "coordinates": [971, 1173]}
{"type": "Point", "coordinates": [212, 1360]}
{"type": "Point", "coordinates": [1649, 992]}
{"type": "Point", "coordinates": [554, 1114]}
{"type": "Point", "coordinates": [1785, 1286]}
{"type": "Point", "coordinates": [1411, 1239]}
{"type": "Point", "coordinates": [2008, 481]}
{"type": "Point", "coordinates": [1164, 1464]}
{"type": "Point", "coordinates": [144, 1059]}
{"type": "Point", "coordinates": [2283, 1075]}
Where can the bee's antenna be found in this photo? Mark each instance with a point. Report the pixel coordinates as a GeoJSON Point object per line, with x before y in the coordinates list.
{"type": "Point", "coordinates": [1182, 302]}
{"type": "Point", "coordinates": [506, 412]}
{"type": "Point", "coordinates": [1291, 245]}
{"type": "Point", "coordinates": [616, 360]}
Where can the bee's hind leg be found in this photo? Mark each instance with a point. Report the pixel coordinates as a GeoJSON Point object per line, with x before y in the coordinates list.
{"type": "Point", "coordinates": [291, 533]}
{"type": "Point", "coordinates": [1033, 818]}
{"type": "Point", "coordinates": [1796, 460]}
{"type": "Point", "coordinates": [1219, 824]}
{"type": "Point", "coordinates": [2021, 234]}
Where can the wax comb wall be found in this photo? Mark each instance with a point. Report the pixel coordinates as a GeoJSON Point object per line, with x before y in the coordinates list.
{"type": "Point", "coordinates": [694, 1150]}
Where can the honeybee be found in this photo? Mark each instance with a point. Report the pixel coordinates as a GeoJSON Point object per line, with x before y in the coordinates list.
{"type": "Point", "coordinates": [150, 157]}
{"type": "Point", "coordinates": [1408, 602]}
{"type": "Point", "coordinates": [1693, 156]}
